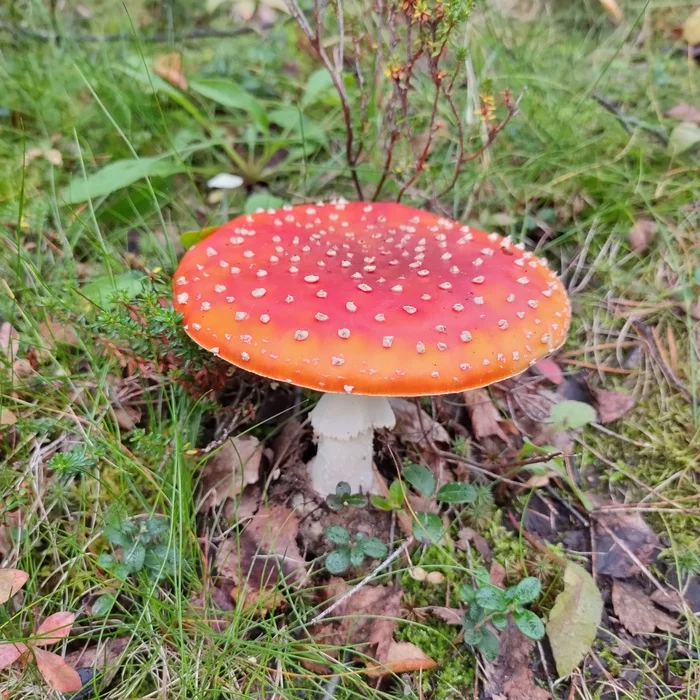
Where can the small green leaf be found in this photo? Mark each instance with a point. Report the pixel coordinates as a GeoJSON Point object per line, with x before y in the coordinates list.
{"type": "Point", "coordinates": [491, 598]}
{"type": "Point", "coordinates": [357, 555]}
{"type": "Point", "coordinates": [262, 200]}
{"type": "Point", "coordinates": [134, 557]}
{"type": "Point", "coordinates": [190, 238]}
{"type": "Point", "coordinates": [343, 489]}
{"type": "Point", "coordinates": [319, 86]}
{"type": "Point", "coordinates": [106, 561]}
{"type": "Point", "coordinates": [427, 528]}
{"type": "Point", "coordinates": [300, 126]}
{"type": "Point", "coordinates": [118, 536]}
{"type": "Point", "coordinates": [467, 593]}
{"type": "Point", "coordinates": [103, 605]}
{"type": "Point", "coordinates": [229, 94]}
{"type": "Point", "coordinates": [528, 623]}
{"type": "Point", "coordinates": [482, 576]}
{"type": "Point", "coordinates": [356, 499]}
{"type": "Point", "coordinates": [374, 547]}
{"type": "Point", "coordinates": [338, 535]}
{"type": "Point", "coordinates": [572, 415]}
{"type": "Point", "coordinates": [380, 502]}
{"type": "Point", "coordinates": [472, 636]}
{"type": "Point", "coordinates": [456, 493]}
{"type": "Point", "coordinates": [396, 494]}
{"type": "Point", "coordinates": [121, 571]}
{"type": "Point", "coordinates": [100, 290]}
{"type": "Point", "coordinates": [488, 645]}
{"type": "Point", "coordinates": [499, 621]}
{"type": "Point", "coordinates": [421, 478]}
{"type": "Point", "coordinates": [334, 503]}
{"type": "Point", "coordinates": [476, 613]}
{"type": "Point", "coordinates": [117, 175]}
{"type": "Point", "coordinates": [527, 590]}
{"type": "Point", "coordinates": [338, 561]}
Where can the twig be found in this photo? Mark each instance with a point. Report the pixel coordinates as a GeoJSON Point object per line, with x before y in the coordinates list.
{"type": "Point", "coordinates": [202, 33]}
{"type": "Point", "coordinates": [626, 120]}
{"type": "Point", "coordinates": [665, 368]}
{"type": "Point", "coordinates": [314, 37]}
{"type": "Point", "coordinates": [392, 557]}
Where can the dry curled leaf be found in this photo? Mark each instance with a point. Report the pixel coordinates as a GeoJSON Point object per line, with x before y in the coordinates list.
{"type": "Point", "coordinates": [637, 612]}
{"type": "Point", "coordinates": [401, 657]}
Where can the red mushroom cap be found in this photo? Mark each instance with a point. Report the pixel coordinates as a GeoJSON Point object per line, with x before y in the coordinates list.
{"type": "Point", "coordinates": [377, 299]}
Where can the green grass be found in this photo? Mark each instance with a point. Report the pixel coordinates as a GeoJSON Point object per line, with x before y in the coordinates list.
{"type": "Point", "coordinates": [564, 165]}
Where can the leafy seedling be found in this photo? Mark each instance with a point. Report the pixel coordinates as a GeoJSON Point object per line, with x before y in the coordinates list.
{"type": "Point", "coordinates": [343, 497]}
{"type": "Point", "coordinates": [351, 553]}
{"type": "Point", "coordinates": [141, 548]}
{"type": "Point", "coordinates": [489, 604]}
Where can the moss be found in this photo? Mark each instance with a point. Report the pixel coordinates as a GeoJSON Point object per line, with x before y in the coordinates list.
{"type": "Point", "coordinates": [454, 675]}
{"type": "Point", "coordinates": [665, 459]}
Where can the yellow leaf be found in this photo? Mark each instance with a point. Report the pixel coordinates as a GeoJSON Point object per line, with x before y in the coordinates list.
{"type": "Point", "coordinates": [613, 9]}
{"type": "Point", "coordinates": [691, 28]}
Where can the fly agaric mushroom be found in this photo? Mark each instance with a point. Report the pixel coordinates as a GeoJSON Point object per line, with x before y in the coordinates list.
{"type": "Point", "coordinates": [363, 302]}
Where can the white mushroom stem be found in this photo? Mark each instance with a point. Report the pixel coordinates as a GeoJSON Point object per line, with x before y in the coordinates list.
{"type": "Point", "coordinates": [344, 427]}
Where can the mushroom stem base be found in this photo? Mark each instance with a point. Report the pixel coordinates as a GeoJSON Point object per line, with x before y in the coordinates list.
{"type": "Point", "coordinates": [344, 427]}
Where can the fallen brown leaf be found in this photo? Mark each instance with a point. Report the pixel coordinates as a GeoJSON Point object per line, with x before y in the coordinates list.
{"type": "Point", "coordinates": [466, 535]}
{"type": "Point", "coordinates": [497, 574]}
{"type": "Point", "coordinates": [452, 616]}
{"type": "Point", "coordinates": [549, 369]}
{"type": "Point", "coordinates": [637, 612]}
{"type": "Point", "coordinates": [483, 414]}
{"type": "Point", "coordinates": [401, 657]}
{"type": "Point", "coordinates": [612, 405]}
{"type": "Point", "coordinates": [684, 112]}
{"type": "Point", "coordinates": [7, 417]}
{"type": "Point", "coordinates": [261, 557]}
{"type": "Point", "coordinates": [99, 655]}
{"type": "Point", "coordinates": [413, 424]}
{"type": "Point", "coordinates": [510, 675]}
{"type": "Point", "coordinates": [367, 619]}
{"type": "Point", "coordinates": [629, 528]}
{"type": "Point", "coordinates": [53, 629]}
{"type": "Point", "coordinates": [56, 672]}
{"type": "Point", "coordinates": [58, 333]}
{"type": "Point", "coordinates": [9, 341]}
{"type": "Point", "coordinates": [168, 66]}
{"type": "Point", "coordinates": [669, 599]}
{"type": "Point", "coordinates": [229, 470]}
{"type": "Point", "coordinates": [11, 580]}
{"type": "Point", "coordinates": [642, 234]}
